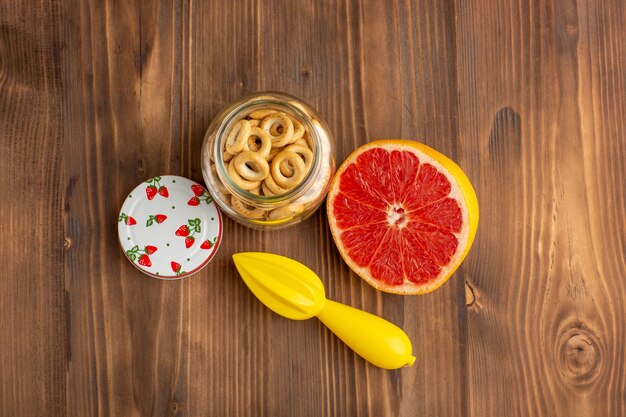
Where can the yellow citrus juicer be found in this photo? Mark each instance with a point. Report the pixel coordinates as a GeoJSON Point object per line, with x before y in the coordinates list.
{"type": "Point", "coordinates": [294, 291]}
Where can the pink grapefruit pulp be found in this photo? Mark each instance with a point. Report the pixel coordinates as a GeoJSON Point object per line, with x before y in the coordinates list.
{"type": "Point", "coordinates": [403, 215]}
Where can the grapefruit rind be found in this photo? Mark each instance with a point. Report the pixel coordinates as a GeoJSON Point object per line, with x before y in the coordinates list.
{"type": "Point", "coordinates": [461, 190]}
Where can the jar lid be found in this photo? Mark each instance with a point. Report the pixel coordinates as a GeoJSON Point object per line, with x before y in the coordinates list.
{"type": "Point", "coordinates": [169, 227]}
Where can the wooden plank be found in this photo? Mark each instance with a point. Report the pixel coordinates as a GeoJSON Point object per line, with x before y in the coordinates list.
{"type": "Point", "coordinates": [33, 350]}
{"type": "Point", "coordinates": [124, 112]}
{"type": "Point", "coordinates": [408, 84]}
{"type": "Point", "coordinates": [542, 125]}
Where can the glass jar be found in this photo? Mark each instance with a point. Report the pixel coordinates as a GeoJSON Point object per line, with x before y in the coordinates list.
{"type": "Point", "coordinates": [260, 207]}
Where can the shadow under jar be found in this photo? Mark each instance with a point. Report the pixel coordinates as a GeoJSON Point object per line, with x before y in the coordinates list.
{"type": "Point", "coordinates": [276, 193]}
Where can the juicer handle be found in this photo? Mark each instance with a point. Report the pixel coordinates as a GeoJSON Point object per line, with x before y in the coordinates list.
{"type": "Point", "coordinates": [375, 339]}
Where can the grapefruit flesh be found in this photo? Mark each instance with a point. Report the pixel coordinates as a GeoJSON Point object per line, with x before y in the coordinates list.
{"type": "Point", "coordinates": [403, 215]}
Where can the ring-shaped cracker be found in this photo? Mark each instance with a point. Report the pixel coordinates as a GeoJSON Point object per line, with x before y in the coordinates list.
{"type": "Point", "coordinates": [261, 114]}
{"type": "Point", "coordinates": [256, 190]}
{"type": "Point", "coordinates": [227, 156]}
{"type": "Point", "coordinates": [298, 130]}
{"type": "Point", "coordinates": [308, 139]}
{"type": "Point", "coordinates": [274, 129]}
{"type": "Point", "coordinates": [286, 168]}
{"type": "Point", "coordinates": [304, 152]}
{"type": "Point", "coordinates": [241, 208]}
{"type": "Point", "coordinates": [252, 166]}
{"type": "Point", "coordinates": [266, 191]}
{"type": "Point", "coordinates": [237, 137]}
{"type": "Point", "coordinates": [296, 162]}
{"type": "Point", "coordinates": [286, 212]}
{"type": "Point", "coordinates": [272, 187]}
{"type": "Point", "coordinates": [266, 142]}
{"type": "Point", "coordinates": [217, 182]}
{"type": "Point", "coordinates": [241, 182]}
{"type": "Point", "coordinates": [273, 153]}
{"type": "Point", "coordinates": [281, 119]}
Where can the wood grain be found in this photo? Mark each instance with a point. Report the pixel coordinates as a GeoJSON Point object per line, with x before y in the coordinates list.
{"type": "Point", "coordinates": [33, 338]}
{"type": "Point", "coordinates": [149, 82]}
{"type": "Point", "coordinates": [542, 126]}
{"type": "Point", "coordinates": [528, 97]}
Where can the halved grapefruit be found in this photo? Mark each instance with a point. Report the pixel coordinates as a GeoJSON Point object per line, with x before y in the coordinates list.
{"type": "Point", "coordinates": [403, 215]}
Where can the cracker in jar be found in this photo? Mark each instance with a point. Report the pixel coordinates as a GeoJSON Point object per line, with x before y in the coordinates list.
{"type": "Point", "coordinates": [273, 153]}
{"type": "Point", "coordinates": [296, 162]}
{"type": "Point", "coordinates": [237, 137]}
{"type": "Point", "coordinates": [286, 212]}
{"type": "Point", "coordinates": [259, 141]}
{"type": "Point", "coordinates": [301, 141]}
{"type": "Point", "coordinates": [256, 191]}
{"type": "Point", "coordinates": [308, 139]}
{"type": "Point", "coordinates": [261, 114]}
{"type": "Point", "coordinates": [270, 187]}
{"type": "Point", "coordinates": [304, 152]}
{"type": "Point", "coordinates": [298, 131]}
{"type": "Point", "coordinates": [286, 169]}
{"type": "Point", "coordinates": [246, 210]}
{"type": "Point", "coordinates": [251, 166]}
{"type": "Point", "coordinates": [265, 190]}
{"type": "Point", "coordinates": [273, 121]}
{"type": "Point", "coordinates": [239, 181]}
{"type": "Point", "coordinates": [218, 183]}
{"type": "Point", "coordinates": [227, 156]}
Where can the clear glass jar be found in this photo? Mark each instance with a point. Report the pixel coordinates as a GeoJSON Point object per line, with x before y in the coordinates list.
{"type": "Point", "coordinates": [251, 207]}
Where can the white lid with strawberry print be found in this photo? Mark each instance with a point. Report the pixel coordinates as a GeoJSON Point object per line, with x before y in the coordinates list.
{"type": "Point", "coordinates": [169, 227]}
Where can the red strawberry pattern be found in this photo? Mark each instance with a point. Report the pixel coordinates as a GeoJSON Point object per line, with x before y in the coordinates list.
{"type": "Point", "coordinates": [182, 230]}
{"type": "Point", "coordinates": [154, 187]}
{"type": "Point", "coordinates": [198, 190]}
{"type": "Point", "coordinates": [141, 255]}
{"type": "Point", "coordinates": [155, 218]}
{"type": "Point", "coordinates": [144, 260]}
{"type": "Point", "coordinates": [207, 244]}
{"type": "Point", "coordinates": [200, 194]}
{"type": "Point", "coordinates": [151, 191]}
{"type": "Point", "coordinates": [177, 268]}
{"type": "Point", "coordinates": [188, 231]}
{"type": "Point", "coordinates": [128, 220]}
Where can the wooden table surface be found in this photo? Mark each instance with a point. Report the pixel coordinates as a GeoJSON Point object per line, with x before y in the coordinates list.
{"type": "Point", "coordinates": [528, 96]}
